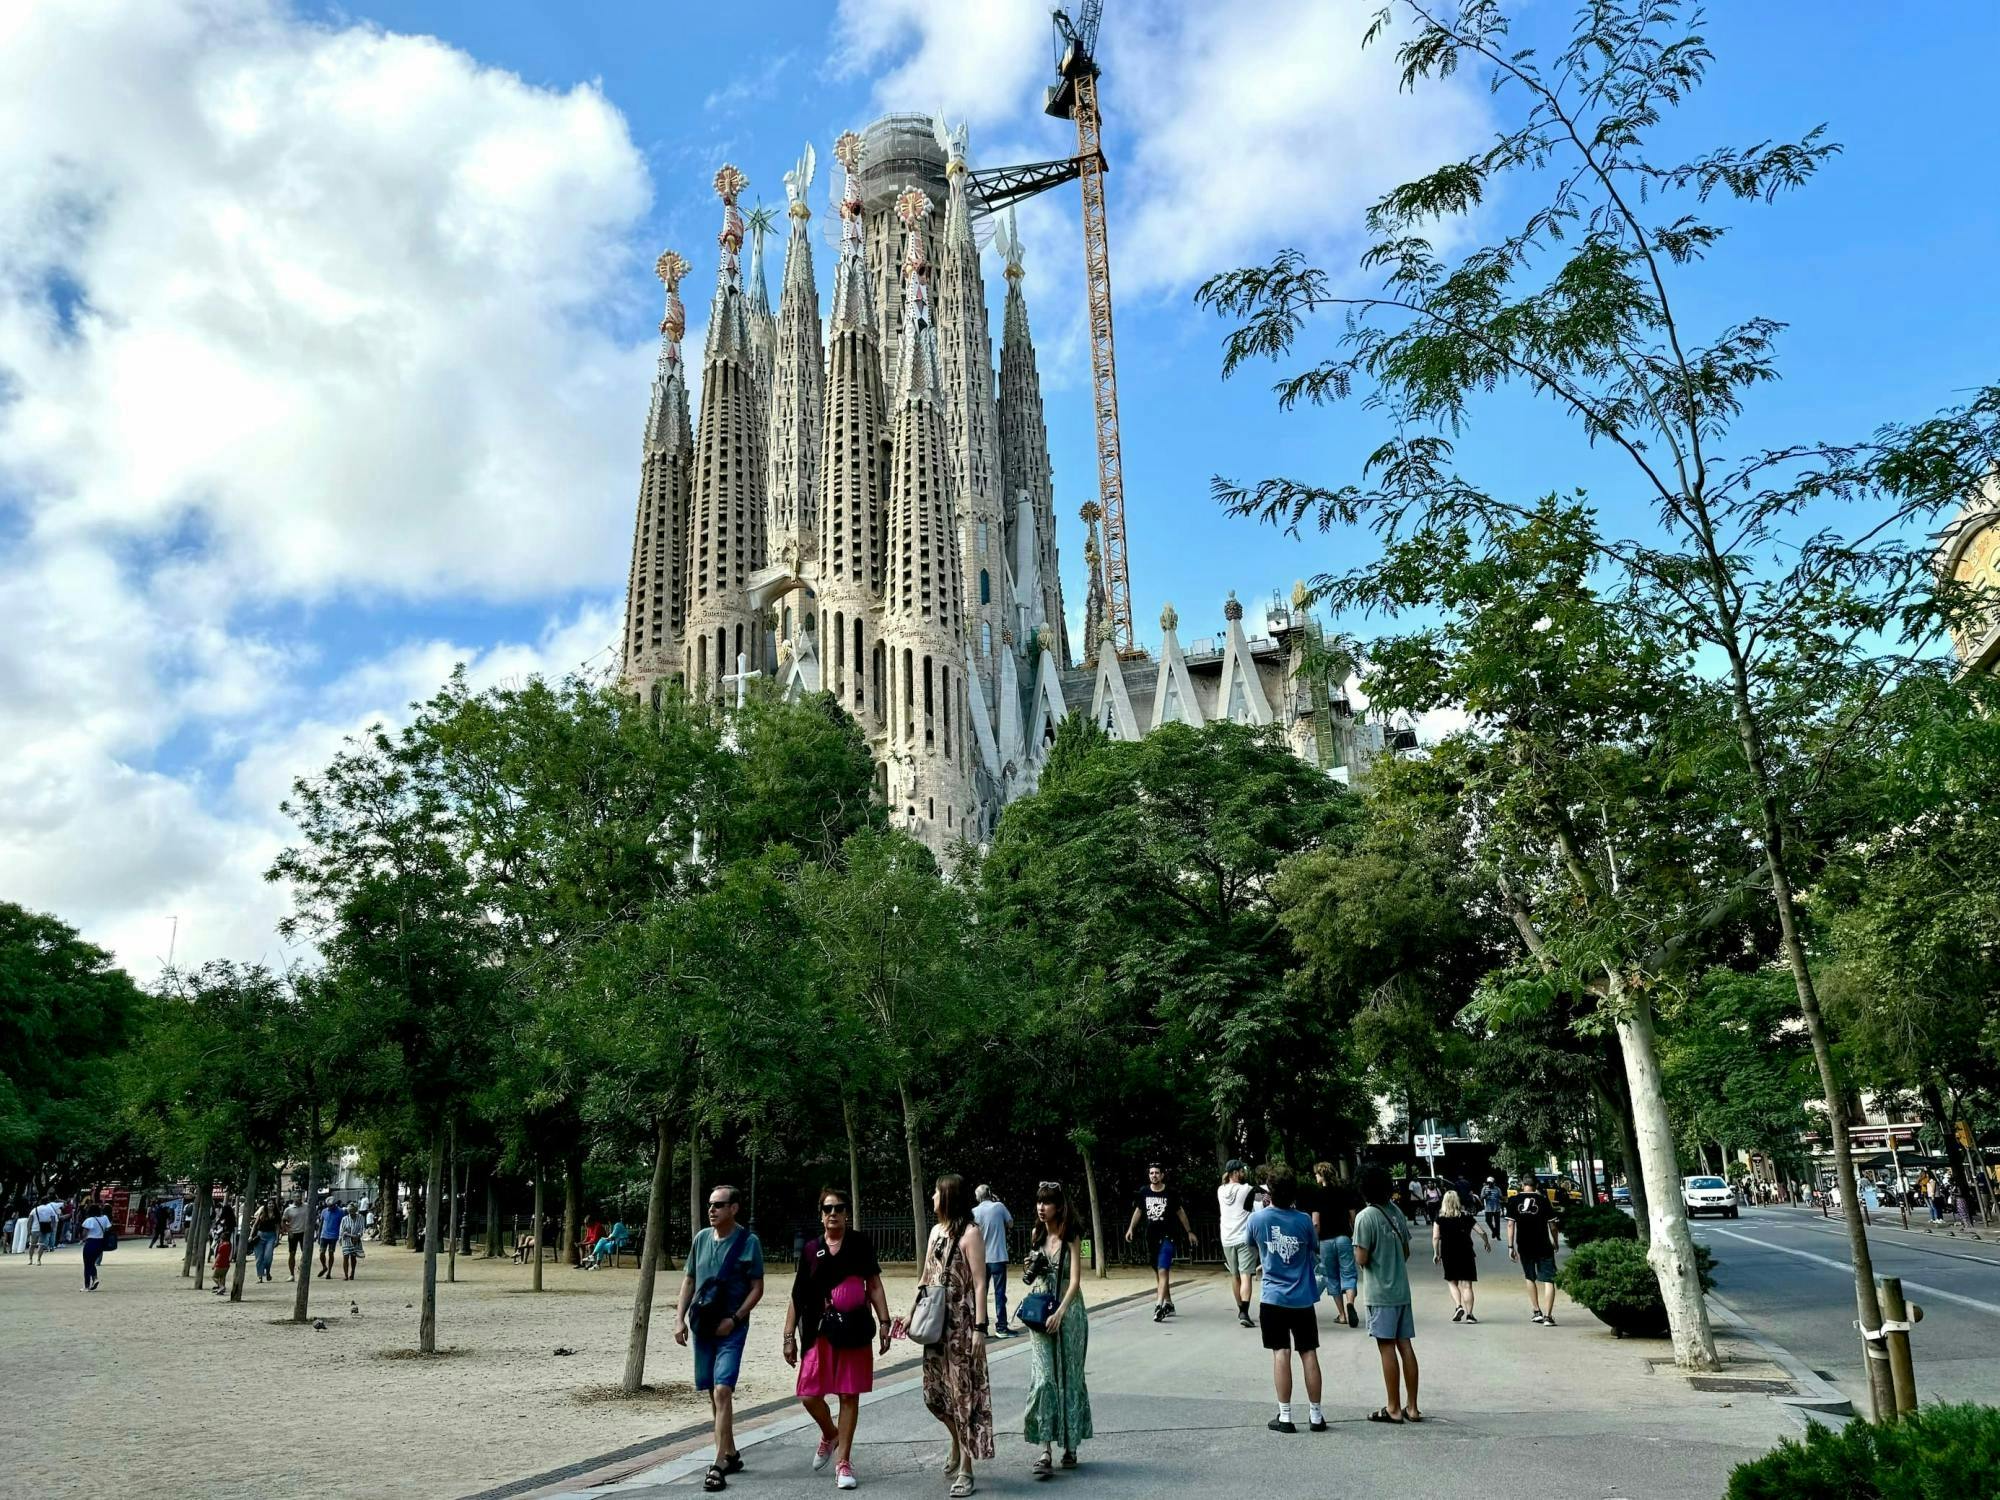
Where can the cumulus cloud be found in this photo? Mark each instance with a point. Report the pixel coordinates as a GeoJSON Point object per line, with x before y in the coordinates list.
{"type": "Point", "coordinates": [290, 315]}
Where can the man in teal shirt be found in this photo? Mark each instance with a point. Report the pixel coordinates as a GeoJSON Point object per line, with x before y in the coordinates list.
{"type": "Point", "coordinates": [1382, 1251]}
{"type": "Point", "coordinates": [724, 1281]}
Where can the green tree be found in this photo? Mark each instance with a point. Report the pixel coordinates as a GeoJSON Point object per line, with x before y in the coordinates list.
{"type": "Point", "coordinates": [1736, 1066]}
{"type": "Point", "coordinates": [381, 879]}
{"type": "Point", "coordinates": [1584, 306]}
{"type": "Point", "coordinates": [66, 1014]}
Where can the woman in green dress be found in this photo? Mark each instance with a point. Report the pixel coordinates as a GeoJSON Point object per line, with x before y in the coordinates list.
{"type": "Point", "coordinates": [1058, 1412]}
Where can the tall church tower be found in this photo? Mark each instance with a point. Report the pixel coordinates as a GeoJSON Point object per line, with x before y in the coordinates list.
{"type": "Point", "coordinates": [853, 474]}
{"type": "Point", "coordinates": [1024, 453]}
{"type": "Point", "coordinates": [965, 354]}
{"type": "Point", "coordinates": [726, 526]}
{"type": "Point", "coordinates": [655, 598]}
{"type": "Point", "coordinates": [791, 474]}
{"type": "Point", "coordinates": [923, 607]}
{"type": "Point", "coordinates": [757, 302]}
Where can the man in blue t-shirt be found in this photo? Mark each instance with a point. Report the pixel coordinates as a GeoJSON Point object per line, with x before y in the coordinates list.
{"type": "Point", "coordinates": [724, 1281]}
{"type": "Point", "coordinates": [329, 1235]}
{"type": "Point", "coordinates": [1288, 1252]}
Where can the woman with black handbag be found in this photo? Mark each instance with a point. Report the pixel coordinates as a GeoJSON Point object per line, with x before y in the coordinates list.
{"type": "Point", "coordinates": [838, 1310]}
{"type": "Point", "coordinates": [1058, 1412]}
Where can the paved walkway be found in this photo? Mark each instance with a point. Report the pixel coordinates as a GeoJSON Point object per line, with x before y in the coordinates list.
{"type": "Point", "coordinates": [1181, 1407]}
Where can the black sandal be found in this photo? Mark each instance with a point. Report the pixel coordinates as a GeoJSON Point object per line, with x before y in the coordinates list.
{"type": "Point", "coordinates": [1383, 1414]}
{"type": "Point", "coordinates": [732, 1463]}
{"type": "Point", "coordinates": [713, 1480]}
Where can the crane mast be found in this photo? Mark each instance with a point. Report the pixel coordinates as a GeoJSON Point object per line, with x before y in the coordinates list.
{"type": "Point", "coordinates": [1074, 97]}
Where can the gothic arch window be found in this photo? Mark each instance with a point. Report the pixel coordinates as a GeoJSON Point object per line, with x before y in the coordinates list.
{"type": "Point", "coordinates": [985, 638]}
{"type": "Point", "coordinates": [985, 587]}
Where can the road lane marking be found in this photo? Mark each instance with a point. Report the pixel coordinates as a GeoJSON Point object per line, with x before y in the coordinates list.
{"type": "Point", "coordinates": [1848, 1268]}
{"type": "Point", "coordinates": [1918, 1249]}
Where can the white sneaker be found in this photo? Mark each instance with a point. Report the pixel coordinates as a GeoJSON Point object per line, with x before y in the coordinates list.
{"type": "Point", "coordinates": [843, 1477]}
{"type": "Point", "coordinates": [822, 1455]}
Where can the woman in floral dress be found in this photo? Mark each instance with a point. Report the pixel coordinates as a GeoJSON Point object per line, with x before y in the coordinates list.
{"type": "Point", "coordinates": [1058, 1397]}
{"type": "Point", "coordinates": [956, 1388]}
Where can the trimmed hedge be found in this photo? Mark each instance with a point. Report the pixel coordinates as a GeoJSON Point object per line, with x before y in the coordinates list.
{"type": "Point", "coordinates": [1940, 1453]}
{"type": "Point", "coordinates": [1586, 1223]}
{"type": "Point", "coordinates": [1613, 1279]}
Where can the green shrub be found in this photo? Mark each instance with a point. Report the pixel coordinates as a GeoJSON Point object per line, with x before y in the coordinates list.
{"type": "Point", "coordinates": [1613, 1279]}
{"type": "Point", "coordinates": [1941, 1453]}
{"type": "Point", "coordinates": [1584, 1223]}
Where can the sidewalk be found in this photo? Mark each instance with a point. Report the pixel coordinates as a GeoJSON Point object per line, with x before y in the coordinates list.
{"type": "Point", "coordinates": [1181, 1407]}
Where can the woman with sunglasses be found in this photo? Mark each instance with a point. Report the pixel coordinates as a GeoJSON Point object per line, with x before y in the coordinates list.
{"type": "Point", "coordinates": [1058, 1398]}
{"type": "Point", "coordinates": [837, 1283]}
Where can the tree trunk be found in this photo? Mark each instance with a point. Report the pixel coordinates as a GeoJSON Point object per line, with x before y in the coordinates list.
{"type": "Point", "coordinates": [427, 1340]}
{"type": "Point", "coordinates": [451, 1209]}
{"type": "Point", "coordinates": [1100, 1259]}
{"type": "Point", "coordinates": [302, 1288]}
{"type": "Point", "coordinates": [649, 1263]}
{"type": "Point", "coordinates": [420, 1210]}
{"type": "Point", "coordinates": [572, 1228]}
{"type": "Point", "coordinates": [1589, 1162]}
{"type": "Point", "coordinates": [1618, 1104]}
{"type": "Point", "coordinates": [853, 1161]}
{"type": "Point", "coordinates": [390, 1189]}
{"type": "Point", "coordinates": [1670, 1249]}
{"type": "Point", "coordinates": [696, 1219]}
{"type": "Point", "coordinates": [243, 1223]}
{"type": "Point", "coordinates": [198, 1223]}
{"type": "Point", "coordinates": [190, 1251]}
{"type": "Point", "coordinates": [916, 1171]}
{"type": "Point", "coordinates": [492, 1217]}
{"type": "Point", "coordinates": [536, 1230]}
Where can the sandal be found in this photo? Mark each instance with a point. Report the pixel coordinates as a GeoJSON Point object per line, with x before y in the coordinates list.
{"type": "Point", "coordinates": [1383, 1414]}
{"type": "Point", "coordinates": [1043, 1467]}
{"type": "Point", "coordinates": [713, 1480]}
{"type": "Point", "coordinates": [961, 1487]}
{"type": "Point", "coordinates": [1411, 1414]}
{"type": "Point", "coordinates": [732, 1463]}
{"type": "Point", "coordinates": [1069, 1458]}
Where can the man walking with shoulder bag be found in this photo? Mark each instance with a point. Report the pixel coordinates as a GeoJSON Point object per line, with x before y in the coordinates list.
{"type": "Point", "coordinates": [724, 1281]}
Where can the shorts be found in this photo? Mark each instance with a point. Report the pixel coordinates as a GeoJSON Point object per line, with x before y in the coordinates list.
{"type": "Point", "coordinates": [49, 1238]}
{"type": "Point", "coordinates": [1239, 1260]}
{"type": "Point", "coordinates": [1163, 1257]}
{"type": "Point", "coordinates": [1543, 1269]}
{"type": "Point", "coordinates": [295, 1239]}
{"type": "Point", "coordinates": [718, 1361]}
{"type": "Point", "coordinates": [1288, 1327]}
{"type": "Point", "coordinates": [1391, 1323]}
{"type": "Point", "coordinates": [1336, 1265]}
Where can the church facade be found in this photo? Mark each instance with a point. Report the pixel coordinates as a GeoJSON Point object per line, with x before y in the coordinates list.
{"type": "Point", "coordinates": [865, 507]}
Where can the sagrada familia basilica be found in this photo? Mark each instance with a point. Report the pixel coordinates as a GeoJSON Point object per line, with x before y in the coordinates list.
{"type": "Point", "coordinates": [865, 508]}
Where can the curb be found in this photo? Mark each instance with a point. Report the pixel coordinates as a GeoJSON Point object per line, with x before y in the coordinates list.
{"type": "Point", "coordinates": [1816, 1397]}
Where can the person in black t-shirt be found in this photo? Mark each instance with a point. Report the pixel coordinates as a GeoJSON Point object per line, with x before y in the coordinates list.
{"type": "Point", "coordinates": [1333, 1207]}
{"type": "Point", "coordinates": [1160, 1210]}
{"type": "Point", "coordinates": [1532, 1234]}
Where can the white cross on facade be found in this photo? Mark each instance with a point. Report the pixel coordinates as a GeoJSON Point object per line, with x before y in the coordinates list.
{"type": "Point", "coordinates": [741, 677]}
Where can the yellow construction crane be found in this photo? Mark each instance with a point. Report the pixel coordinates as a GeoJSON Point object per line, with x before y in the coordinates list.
{"type": "Point", "coordinates": [1074, 97]}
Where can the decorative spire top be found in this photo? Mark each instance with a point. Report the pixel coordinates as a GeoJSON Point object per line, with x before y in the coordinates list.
{"type": "Point", "coordinates": [1232, 609]}
{"type": "Point", "coordinates": [1089, 513]}
{"type": "Point", "coordinates": [951, 142]}
{"type": "Point", "coordinates": [1170, 619]}
{"type": "Point", "coordinates": [1301, 595]}
{"type": "Point", "coordinates": [847, 151]}
{"type": "Point", "coordinates": [913, 206]}
{"type": "Point", "coordinates": [759, 222]}
{"type": "Point", "coordinates": [917, 376]}
{"type": "Point", "coordinates": [797, 181]}
{"type": "Point", "coordinates": [1010, 247]}
{"type": "Point", "coordinates": [670, 268]}
{"type": "Point", "coordinates": [729, 185]}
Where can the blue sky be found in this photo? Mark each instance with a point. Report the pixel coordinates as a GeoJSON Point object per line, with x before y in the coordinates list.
{"type": "Point", "coordinates": [325, 333]}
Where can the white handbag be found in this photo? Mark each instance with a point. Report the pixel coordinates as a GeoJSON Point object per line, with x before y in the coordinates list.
{"type": "Point", "coordinates": [925, 1324]}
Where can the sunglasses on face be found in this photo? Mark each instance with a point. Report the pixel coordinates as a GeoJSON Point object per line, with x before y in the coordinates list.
{"type": "Point", "coordinates": [725, 1203]}
{"type": "Point", "coordinates": [833, 1208]}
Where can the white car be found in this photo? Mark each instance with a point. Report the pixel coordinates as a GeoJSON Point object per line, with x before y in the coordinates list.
{"type": "Point", "coordinates": [1708, 1195]}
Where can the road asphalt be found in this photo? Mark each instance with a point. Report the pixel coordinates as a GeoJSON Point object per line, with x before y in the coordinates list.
{"type": "Point", "coordinates": [1180, 1408]}
{"type": "Point", "coordinates": [1786, 1271]}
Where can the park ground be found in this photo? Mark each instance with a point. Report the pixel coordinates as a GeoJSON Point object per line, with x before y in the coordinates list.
{"type": "Point", "coordinates": [148, 1376]}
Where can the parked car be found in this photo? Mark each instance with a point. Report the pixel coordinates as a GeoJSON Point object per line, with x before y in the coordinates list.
{"type": "Point", "coordinates": [1621, 1196]}
{"type": "Point", "coordinates": [1708, 1195]}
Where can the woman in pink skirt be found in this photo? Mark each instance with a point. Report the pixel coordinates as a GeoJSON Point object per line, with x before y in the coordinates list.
{"type": "Point", "coordinates": [837, 1283]}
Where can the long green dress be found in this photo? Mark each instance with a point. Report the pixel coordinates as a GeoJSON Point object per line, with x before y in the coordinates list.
{"type": "Point", "coordinates": [1058, 1396]}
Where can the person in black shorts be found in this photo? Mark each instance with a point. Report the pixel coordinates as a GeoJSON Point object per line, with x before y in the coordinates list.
{"type": "Point", "coordinates": [1160, 1210]}
{"type": "Point", "coordinates": [1288, 1250]}
{"type": "Point", "coordinates": [1532, 1235]}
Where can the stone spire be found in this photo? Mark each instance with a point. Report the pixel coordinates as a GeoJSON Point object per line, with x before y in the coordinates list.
{"type": "Point", "coordinates": [1024, 446]}
{"type": "Point", "coordinates": [757, 300]}
{"type": "Point", "coordinates": [923, 611]}
{"type": "Point", "coordinates": [791, 472]}
{"type": "Point", "coordinates": [655, 597]}
{"type": "Point", "coordinates": [726, 525]}
{"type": "Point", "coordinates": [852, 475]}
{"type": "Point", "coordinates": [965, 350]}
{"type": "Point", "coordinates": [1095, 601]}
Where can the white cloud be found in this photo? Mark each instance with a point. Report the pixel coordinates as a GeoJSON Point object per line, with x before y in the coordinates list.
{"type": "Point", "coordinates": [336, 299]}
{"type": "Point", "coordinates": [289, 314]}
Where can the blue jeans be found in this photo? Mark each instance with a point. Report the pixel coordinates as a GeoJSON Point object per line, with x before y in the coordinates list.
{"type": "Point", "coordinates": [93, 1252]}
{"type": "Point", "coordinates": [718, 1361]}
{"type": "Point", "coordinates": [1336, 1266]}
{"type": "Point", "coordinates": [267, 1247]}
{"type": "Point", "coordinates": [996, 1281]}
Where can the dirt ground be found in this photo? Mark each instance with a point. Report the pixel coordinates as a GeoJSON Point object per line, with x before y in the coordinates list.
{"type": "Point", "coordinates": [147, 1381]}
